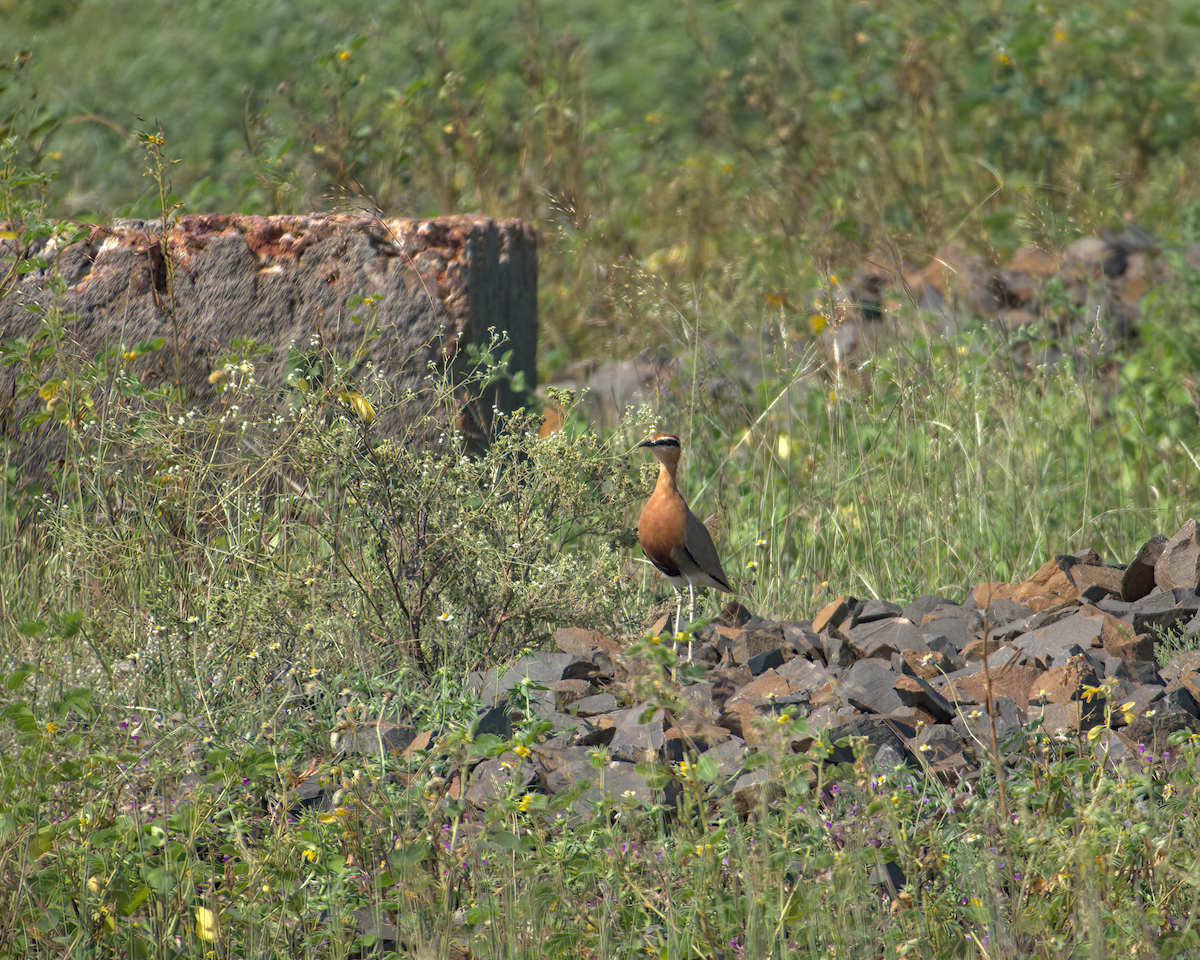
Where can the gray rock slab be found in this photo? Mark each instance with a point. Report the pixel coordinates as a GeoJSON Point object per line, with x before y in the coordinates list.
{"type": "Point", "coordinates": [615, 781]}
{"type": "Point", "coordinates": [922, 606]}
{"type": "Point", "coordinates": [1049, 645]}
{"type": "Point", "coordinates": [490, 779]}
{"type": "Point", "coordinates": [729, 756]}
{"type": "Point", "coordinates": [633, 741]}
{"type": "Point", "coordinates": [975, 726]}
{"type": "Point", "coordinates": [881, 638]}
{"type": "Point", "coordinates": [837, 651]}
{"type": "Point", "coordinates": [1179, 698]}
{"type": "Point", "coordinates": [803, 675]}
{"type": "Point", "coordinates": [941, 741]}
{"type": "Point", "coordinates": [1000, 612]}
{"type": "Point", "coordinates": [878, 733]}
{"type": "Point", "coordinates": [872, 610]}
{"type": "Point", "coordinates": [1187, 661]}
{"type": "Point", "coordinates": [917, 692]}
{"type": "Point", "coordinates": [541, 668]}
{"type": "Point", "coordinates": [1136, 671]}
{"type": "Point", "coordinates": [870, 685]}
{"type": "Point", "coordinates": [767, 660]}
{"type": "Point", "coordinates": [948, 635]}
{"type": "Point", "coordinates": [803, 641]}
{"type": "Point", "coordinates": [1164, 610]}
{"type": "Point", "coordinates": [594, 705]}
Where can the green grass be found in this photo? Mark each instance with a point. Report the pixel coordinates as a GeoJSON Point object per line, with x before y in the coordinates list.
{"type": "Point", "coordinates": [186, 619]}
{"type": "Point", "coordinates": [173, 673]}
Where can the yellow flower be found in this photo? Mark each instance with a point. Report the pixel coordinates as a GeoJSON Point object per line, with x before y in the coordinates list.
{"type": "Point", "coordinates": [206, 924]}
{"type": "Point", "coordinates": [521, 750]}
{"type": "Point", "coordinates": [310, 856]}
{"type": "Point", "coordinates": [359, 404]}
{"type": "Point", "coordinates": [130, 355]}
{"type": "Point", "coordinates": [52, 727]}
{"type": "Point", "coordinates": [526, 801]}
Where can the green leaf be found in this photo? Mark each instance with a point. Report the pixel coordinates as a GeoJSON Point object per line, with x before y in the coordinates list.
{"type": "Point", "coordinates": [21, 716]}
{"type": "Point", "coordinates": [485, 744]}
{"type": "Point", "coordinates": [17, 677]}
{"type": "Point", "coordinates": [510, 841]}
{"type": "Point", "coordinates": [128, 904]}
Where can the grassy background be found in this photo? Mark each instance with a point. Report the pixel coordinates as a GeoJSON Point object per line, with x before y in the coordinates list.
{"type": "Point", "coordinates": [204, 601]}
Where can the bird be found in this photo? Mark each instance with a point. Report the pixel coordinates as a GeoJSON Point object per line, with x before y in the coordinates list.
{"type": "Point", "coordinates": [673, 538]}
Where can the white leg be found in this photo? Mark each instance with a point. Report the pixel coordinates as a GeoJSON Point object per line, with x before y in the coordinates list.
{"type": "Point", "coordinates": [691, 613]}
{"type": "Point", "coordinates": [678, 614]}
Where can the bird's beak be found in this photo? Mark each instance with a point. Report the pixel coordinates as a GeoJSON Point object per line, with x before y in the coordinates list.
{"type": "Point", "coordinates": [644, 443]}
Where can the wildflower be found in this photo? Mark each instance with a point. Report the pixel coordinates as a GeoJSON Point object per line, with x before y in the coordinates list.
{"type": "Point", "coordinates": [206, 924]}
{"type": "Point", "coordinates": [521, 750]}
{"type": "Point", "coordinates": [760, 542]}
{"type": "Point", "coordinates": [52, 727]}
{"type": "Point", "coordinates": [310, 855]}
{"type": "Point", "coordinates": [751, 564]}
{"type": "Point", "coordinates": [445, 617]}
{"type": "Point", "coordinates": [130, 355]}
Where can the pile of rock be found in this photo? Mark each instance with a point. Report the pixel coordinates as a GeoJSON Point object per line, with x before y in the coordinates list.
{"type": "Point", "coordinates": [922, 683]}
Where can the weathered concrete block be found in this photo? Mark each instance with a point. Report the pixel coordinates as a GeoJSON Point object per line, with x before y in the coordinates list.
{"type": "Point", "coordinates": [285, 280]}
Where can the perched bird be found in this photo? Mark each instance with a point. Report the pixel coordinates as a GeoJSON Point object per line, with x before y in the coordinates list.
{"type": "Point", "coordinates": [673, 538]}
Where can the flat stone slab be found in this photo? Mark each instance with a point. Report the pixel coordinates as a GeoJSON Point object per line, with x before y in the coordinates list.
{"type": "Point", "coordinates": [1052, 644]}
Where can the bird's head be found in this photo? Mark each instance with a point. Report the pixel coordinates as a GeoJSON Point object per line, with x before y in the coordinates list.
{"type": "Point", "coordinates": [664, 446]}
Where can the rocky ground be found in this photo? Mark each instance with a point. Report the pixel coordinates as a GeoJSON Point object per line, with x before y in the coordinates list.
{"type": "Point", "coordinates": [910, 679]}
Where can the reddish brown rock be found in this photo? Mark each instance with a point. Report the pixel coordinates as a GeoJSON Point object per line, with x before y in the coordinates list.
{"type": "Point", "coordinates": [1064, 683]}
{"type": "Point", "coordinates": [1118, 638]}
{"type": "Point", "coordinates": [1139, 575]}
{"type": "Point", "coordinates": [1012, 681]}
{"type": "Point", "coordinates": [832, 614]}
{"type": "Point", "coordinates": [1049, 586]}
{"type": "Point", "coordinates": [1086, 576]}
{"type": "Point", "coordinates": [1179, 563]}
{"type": "Point", "coordinates": [764, 687]}
{"type": "Point", "coordinates": [583, 642]}
{"type": "Point", "coordinates": [738, 718]}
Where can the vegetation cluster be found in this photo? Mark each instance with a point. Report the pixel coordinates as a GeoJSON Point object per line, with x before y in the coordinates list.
{"type": "Point", "coordinates": [197, 598]}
